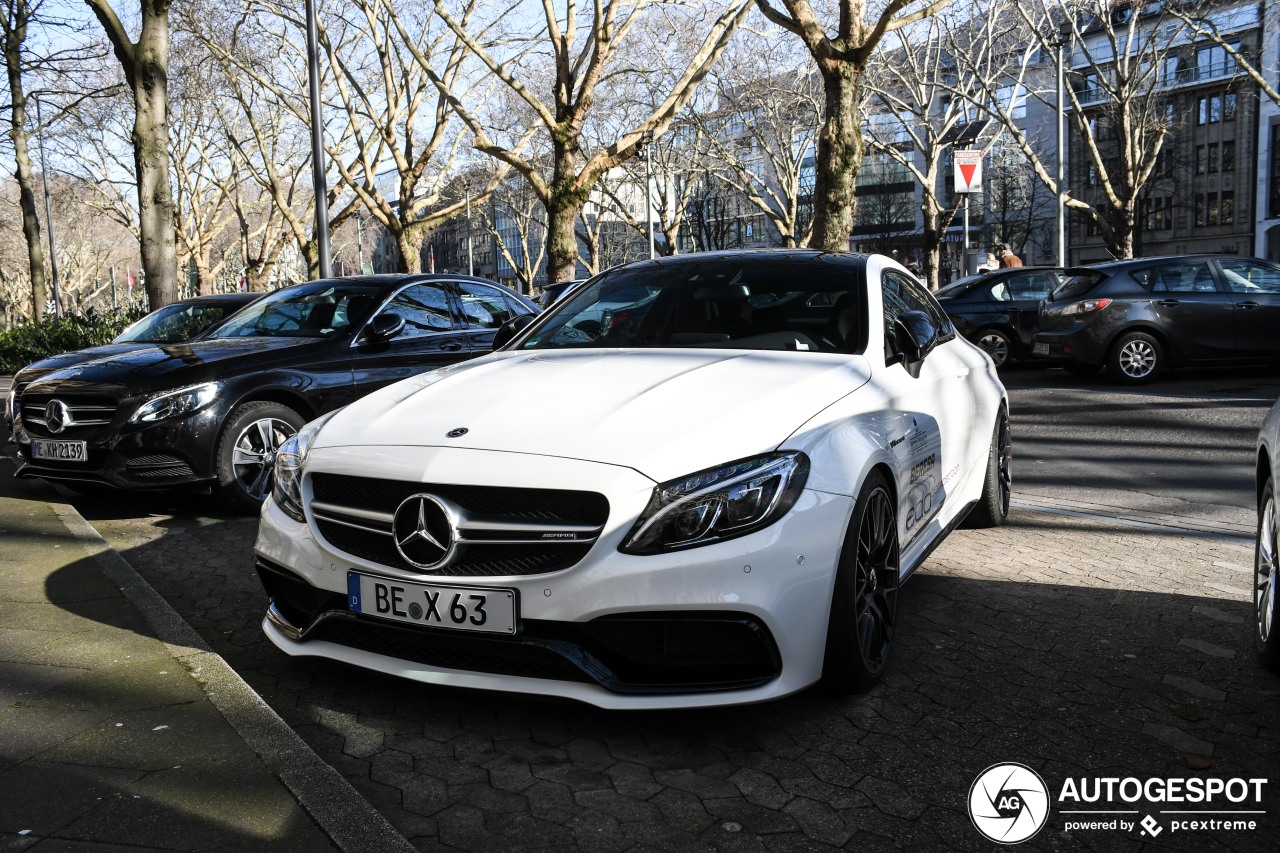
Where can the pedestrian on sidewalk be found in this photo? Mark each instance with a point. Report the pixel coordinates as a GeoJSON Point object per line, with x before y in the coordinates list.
{"type": "Point", "coordinates": [1007, 257]}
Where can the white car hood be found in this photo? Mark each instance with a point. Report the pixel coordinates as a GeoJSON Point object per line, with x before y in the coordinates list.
{"type": "Point", "coordinates": [664, 413]}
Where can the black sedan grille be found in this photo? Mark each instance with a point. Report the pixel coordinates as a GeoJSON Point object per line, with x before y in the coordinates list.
{"type": "Point", "coordinates": [503, 531]}
{"type": "Point", "coordinates": [87, 415]}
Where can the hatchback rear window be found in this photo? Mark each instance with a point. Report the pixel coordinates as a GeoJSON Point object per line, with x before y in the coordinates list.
{"type": "Point", "coordinates": [1078, 285]}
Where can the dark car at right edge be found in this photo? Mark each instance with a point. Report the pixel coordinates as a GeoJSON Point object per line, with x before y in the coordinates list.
{"type": "Point", "coordinates": [1139, 317]}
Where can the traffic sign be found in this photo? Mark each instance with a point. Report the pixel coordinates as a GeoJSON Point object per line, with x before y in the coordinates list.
{"type": "Point", "coordinates": [968, 175]}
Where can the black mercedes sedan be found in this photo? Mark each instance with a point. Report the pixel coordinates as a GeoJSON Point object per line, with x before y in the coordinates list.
{"type": "Point", "coordinates": [174, 323]}
{"type": "Point", "coordinates": [1139, 317]}
{"type": "Point", "coordinates": [212, 412]}
{"type": "Point", "coordinates": [998, 310]}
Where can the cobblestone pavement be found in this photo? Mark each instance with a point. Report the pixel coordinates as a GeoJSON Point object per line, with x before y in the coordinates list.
{"type": "Point", "coordinates": [1074, 646]}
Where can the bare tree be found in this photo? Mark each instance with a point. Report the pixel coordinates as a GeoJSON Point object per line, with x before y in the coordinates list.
{"type": "Point", "coordinates": [583, 55]}
{"type": "Point", "coordinates": [842, 51]}
{"type": "Point", "coordinates": [1119, 109]}
{"type": "Point", "coordinates": [145, 63]}
{"type": "Point", "coordinates": [1217, 22]}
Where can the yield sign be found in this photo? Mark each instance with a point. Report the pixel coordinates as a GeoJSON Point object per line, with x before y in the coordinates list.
{"type": "Point", "coordinates": [968, 175]}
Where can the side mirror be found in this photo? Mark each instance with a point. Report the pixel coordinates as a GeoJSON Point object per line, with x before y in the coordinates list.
{"type": "Point", "coordinates": [382, 328]}
{"type": "Point", "coordinates": [508, 330]}
{"type": "Point", "coordinates": [917, 336]}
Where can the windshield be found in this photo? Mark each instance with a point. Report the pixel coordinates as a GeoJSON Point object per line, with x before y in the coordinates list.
{"type": "Point", "coordinates": [173, 324]}
{"type": "Point", "coordinates": [317, 310]}
{"type": "Point", "coordinates": [733, 303]}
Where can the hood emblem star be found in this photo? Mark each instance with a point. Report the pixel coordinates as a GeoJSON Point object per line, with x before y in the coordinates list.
{"type": "Point", "coordinates": [457, 433]}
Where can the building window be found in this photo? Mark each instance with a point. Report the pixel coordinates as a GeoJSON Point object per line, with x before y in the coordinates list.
{"type": "Point", "coordinates": [1202, 159]}
{"type": "Point", "coordinates": [1214, 208]}
{"type": "Point", "coordinates": [1273, 195]}
{"type": "Point", "coordinates": [1228, 156]}
{"type": "Point", "coordinates": [1212, 109]}
{"type": "Point", "coordinates": [1159, 214]}
{"type": "Point", "coordinates": [1228, 208]}
{"type": "Point", "coordinates": [1215, 61]}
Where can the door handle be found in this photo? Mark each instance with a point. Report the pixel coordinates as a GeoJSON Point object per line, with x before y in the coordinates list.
{"type": "Point", "coordinates": [451, 346]}
{"type": "Point", "coordinates": [1248, 306]}
{"type": "Point", "coordinates": [1168, 303]}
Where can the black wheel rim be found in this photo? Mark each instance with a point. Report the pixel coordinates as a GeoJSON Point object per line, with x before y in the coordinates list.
{"type": "Point", "coordinates": [253, 457]}
{"type": "Point", "coordinates": [995, 346]}
{"type": "Point", "coordinates": [1004, 464]}
{"type": "Point", "coordinates": [876, 581]}
{"type": "Point", "coordinates": [1264, 585]}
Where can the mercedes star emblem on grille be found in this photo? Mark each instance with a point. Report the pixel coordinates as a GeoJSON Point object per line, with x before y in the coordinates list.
{"type": "Point", "coordinates": [423, 529]}
{"type": "Point", "coordinates": [457, 433]}
{"type": "Point", "coordinates": [57, 416]}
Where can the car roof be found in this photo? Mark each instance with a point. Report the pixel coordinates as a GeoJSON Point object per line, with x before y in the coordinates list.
{"type": "Point", "coordinates": [216, 298]}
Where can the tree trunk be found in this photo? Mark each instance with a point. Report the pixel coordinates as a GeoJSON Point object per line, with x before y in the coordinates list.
{"type": "Point", "coordinates": [151, 159]}
{"type": "Point", "coordinates": [839, 158]}
{"type": "Point", "coordinates": [409, 243]}
{"type": "Point", "coordinates": [14, 39]}
{"type": "Point", "coordinates": [931, 241]}
{"type": "Point", "coordinates": [311, 254]}
{"type": "Point", "coordinates": [563, 210]}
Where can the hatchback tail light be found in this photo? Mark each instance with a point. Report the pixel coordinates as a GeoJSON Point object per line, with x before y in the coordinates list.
{"type": "Point", "coordinates": [1088, 306]}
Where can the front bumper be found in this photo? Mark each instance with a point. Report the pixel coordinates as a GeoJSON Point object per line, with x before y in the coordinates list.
{"type": "Point", "coordinates": [735, 622]}
{"type": "Point", "coordinates": [173, 453]}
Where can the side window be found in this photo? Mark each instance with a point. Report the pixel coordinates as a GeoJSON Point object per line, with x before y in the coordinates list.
{"type": "Point", "coordinates": [425, 309]}
{"type": "Point", "coordinates": [1031, 286]}
{"type": "Point", "coordinates": [1177, 277]}
{"type": "Point", "coordinates": [1000, 292]}
{"type": "Point", "coordinates": [484, 307]}
{"type": "Point", "coordinates": [1250, 276]}
{"type": "Point", "coordinates": [900, 295]}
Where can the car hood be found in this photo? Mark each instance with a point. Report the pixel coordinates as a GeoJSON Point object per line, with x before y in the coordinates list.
{"type": "Point", "coordinates": [45, 366]}
{"type": "Point", "coordinates": [664, 413]}
{"type": "Point", "coordinates": [159, 367]}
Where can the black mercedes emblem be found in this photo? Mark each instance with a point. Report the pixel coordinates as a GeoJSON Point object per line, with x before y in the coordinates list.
{"type": "Point", "coordinates": [423, 530]}
{"type": "Point", "coordinates": [457, 433]}
{"type": "Point", "coordinates": [57, 416]}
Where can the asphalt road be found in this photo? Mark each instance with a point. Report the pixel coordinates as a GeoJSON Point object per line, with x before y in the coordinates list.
{"type": "Point", "coordinates": [1065, 641]}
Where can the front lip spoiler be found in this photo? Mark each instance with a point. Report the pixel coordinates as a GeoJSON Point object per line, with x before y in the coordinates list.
{"type": "Point", "coordinates": [594, 670]}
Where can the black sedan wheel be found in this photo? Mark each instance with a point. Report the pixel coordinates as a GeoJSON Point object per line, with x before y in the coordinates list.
{"type": "Point", "coordinates": [1135, 358]}
{"type": "Point", "coordinates": [1264, 582]}
{"type": "Point", "coordinates": [246, 453]}
{"type": "Point", "coordinates": [996, 344]}
{"type": "Point", "coordinates": [864, 604]}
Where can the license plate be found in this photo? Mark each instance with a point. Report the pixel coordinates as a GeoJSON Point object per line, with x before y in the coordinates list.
{"type": "Point", "coordinates": [458, 607]}
{"type": "Point", "coordinates": [63, 451]}
{"type": "Point", "coordinates": [1040, 349]}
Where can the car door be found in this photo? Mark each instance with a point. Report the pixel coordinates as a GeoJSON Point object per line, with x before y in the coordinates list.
{"type": "Point", "coordinates": [1255, 292]}
{"type": "Point", "coordinates": [1186, 303]}
{"type": "Point", "coordinates": [482, 308]}
{"type": "Point", "coordinates": [431, 338]}
{"type": "Point", "coordinates": [933, 406]}
{"type": "Point", "coordinates": [1024, 292]}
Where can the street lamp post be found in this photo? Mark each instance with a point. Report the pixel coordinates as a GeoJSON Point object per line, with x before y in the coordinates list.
{"type": "Point", "coordinates": [48, 213]}
{"type": "Point", "coordinates": [317, 142]}
{"type": "Point", "coordinates": [1060, 249]}
{"type": "Point", "coordinates": [647, 141]}
{"type": "Point", "coordinates": [471, 260]}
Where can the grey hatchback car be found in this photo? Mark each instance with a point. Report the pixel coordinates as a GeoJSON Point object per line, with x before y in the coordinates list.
{"type": "Point", "coordinates": [1139, 317]}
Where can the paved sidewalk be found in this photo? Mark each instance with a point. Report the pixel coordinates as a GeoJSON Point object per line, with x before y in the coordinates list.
{"type": "Point", "coordinates": [118, 725]}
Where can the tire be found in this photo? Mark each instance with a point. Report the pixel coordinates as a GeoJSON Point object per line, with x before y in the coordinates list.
{"type": "Point", "coordinates": [1266, 625]}
{"type": "Point", "coordinates": [245, 455]}
{"type": "Point", "coordinates": [996, 344]}
{"type": "Point", "coordinates": [864, 602]}
{"type": "Point", "coordinates": [992, 508]}
{"type": "Point", "coordinates": [1079, 368]}
{"type": "Point", "coordinates": [1135, 358]}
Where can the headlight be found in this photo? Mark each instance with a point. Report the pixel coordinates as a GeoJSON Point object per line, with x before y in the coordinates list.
{"type": "Point", "coordinates": [286, 486]}
{"type": "Point", "coordinates": [175, 403]}
{"type": "Point", "coordinates": [11, 405]}
{"type": "Point", "coordinates": [718, 504]}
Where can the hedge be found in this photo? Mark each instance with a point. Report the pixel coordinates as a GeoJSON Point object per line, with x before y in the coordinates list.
{"type": "Point", "coordinates": [23, 344]}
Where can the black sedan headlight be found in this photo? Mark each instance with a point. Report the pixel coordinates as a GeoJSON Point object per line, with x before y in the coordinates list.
{"type": "Point", "coordinates": [172, 404]}
{"type": "Point", "coordinates": [718, 504]}
{"type": "Point", "coordinates": [286, 486]}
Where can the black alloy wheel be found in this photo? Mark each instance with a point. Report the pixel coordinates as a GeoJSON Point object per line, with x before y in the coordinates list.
{"type": "Point", "coordinates": [1265, 592]}
{"type": "Point", "coordinates": [992, 508]}
{"type": "Point", "coordinates": [996, 344]}
{"type": "Point", "coordinates": [864, 604]}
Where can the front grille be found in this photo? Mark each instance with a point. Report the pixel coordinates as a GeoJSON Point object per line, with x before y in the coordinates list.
{"type": "Point", "coordinates": [501, 532]}
{"type": "Point", "coordinates": [89, 413]}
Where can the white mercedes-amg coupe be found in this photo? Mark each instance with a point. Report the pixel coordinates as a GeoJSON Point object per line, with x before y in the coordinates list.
{"type": "Point", "coordinates": [708, 491]}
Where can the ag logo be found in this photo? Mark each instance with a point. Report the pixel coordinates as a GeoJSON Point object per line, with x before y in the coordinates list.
{"type": "Point", "coordinates": [1009, 803]}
